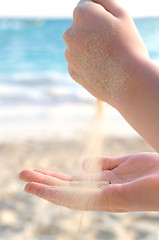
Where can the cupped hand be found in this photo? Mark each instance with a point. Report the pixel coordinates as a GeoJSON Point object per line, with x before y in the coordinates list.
{"type": "Point", "coordinates": [103, 49]}
{"type": "Point", "coordinates": [124, 184]}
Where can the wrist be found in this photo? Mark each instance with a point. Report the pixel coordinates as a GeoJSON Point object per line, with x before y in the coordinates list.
{"type": "Point", "coordinates": [142, 78]}
{"type": "Point", "coordinates": [142, 86]}
{"type": "Point", "coordinates": [139, 105]}
{"type": "Point", "coordinates": [132, 81]}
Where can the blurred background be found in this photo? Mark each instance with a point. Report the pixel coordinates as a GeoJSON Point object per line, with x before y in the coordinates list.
{"type": "Point", "coordinates": [44, 118]}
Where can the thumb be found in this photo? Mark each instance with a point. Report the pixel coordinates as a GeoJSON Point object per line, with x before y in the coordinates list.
{"type": "Point", "coordinates": [111, 6]}
{"type": "Point", "coordinates": [101, 164]}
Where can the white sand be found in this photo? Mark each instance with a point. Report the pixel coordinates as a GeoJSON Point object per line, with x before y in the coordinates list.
{"type": "Point", "coordinates": [53, 142]}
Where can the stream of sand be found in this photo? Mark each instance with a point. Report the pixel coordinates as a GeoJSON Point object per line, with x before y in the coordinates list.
{"type": "Point", "coordinates": [93, 148]}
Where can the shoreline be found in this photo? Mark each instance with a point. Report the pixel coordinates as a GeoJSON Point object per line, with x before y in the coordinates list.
{"type": "Point", "coordinates": [62, 121]}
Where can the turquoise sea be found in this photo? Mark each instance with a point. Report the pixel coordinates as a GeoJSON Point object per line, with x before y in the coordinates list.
{"type": "Point", "coordinates": [33, 69]}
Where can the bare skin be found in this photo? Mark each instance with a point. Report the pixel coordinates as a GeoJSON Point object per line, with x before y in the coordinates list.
{"type": "Point", "coordinates": [135, 185]}
{"type": "Point", "coordinates": [100, 48]}
{"type": "Point", "coordinates": [106, 55]}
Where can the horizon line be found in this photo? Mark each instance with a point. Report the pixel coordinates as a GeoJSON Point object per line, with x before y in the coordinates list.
{"type": "Point", "coordinates": [63, 17]}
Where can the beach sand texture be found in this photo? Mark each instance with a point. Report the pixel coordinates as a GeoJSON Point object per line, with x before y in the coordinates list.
{"type": "Point", "coordinates": [28, 217]}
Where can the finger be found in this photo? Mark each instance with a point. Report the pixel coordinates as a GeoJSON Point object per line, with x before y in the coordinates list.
{"type": "Point", "coordinates": [51, 178]}
{"type": "Point", "coordinates": [73, 37]}
{"type": "Point", "coordinates": [111, 6]}
{"type": "Point", "coordinates": [60, 179]}
{"type": "Point", "coordinates": [32, 176]}
{"type": "Point", "coordinates": [70, 178]}
{"type": "Point", "coordinates": [101, 164]}
{"type": "Point", "coordinates": [75, 65]}
{"type": "Point", "coordinates": [95, 177]}
{"type": "Point", "coordinates": [67, 197]}
{"type": "Point", "coordinates": [88, 14]}
{"type": "Point", "coordinates": [73, 74]}
{"type": "Point", "coordinates": [58, 175]}
{"type": "Point", "coordinates": [74, 58]}
{"type": "Point", "coordinates": [80, 199]}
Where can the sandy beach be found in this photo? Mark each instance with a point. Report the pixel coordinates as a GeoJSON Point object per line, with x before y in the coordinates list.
{"type": "Point", "coordinates": [28, 217]}
{"type": "Point", "coordinates": [47, 122]}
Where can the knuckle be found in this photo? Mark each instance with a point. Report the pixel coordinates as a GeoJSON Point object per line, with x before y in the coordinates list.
{"type": "Point", "coordinates": [68, 35]}
{"type": "Point", "coordinates": [79, 13]}
{"type": "Point", "coordinates": [76, 13]}
{"type": "Point", "coordinates": [71, 73]}
{"type": "Point", "coordinates": [122, 12]}
{"type": "Point", "coordinates": [67, 55]}
{"type": "Point", "coordinates": [64, 36]}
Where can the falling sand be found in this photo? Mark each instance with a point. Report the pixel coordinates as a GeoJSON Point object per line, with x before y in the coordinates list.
{"type": "Point", "coordinates": [93, 149]}
{"type": "Point", "coordinates": [89, 186]}
{"type": "Point", "coordinates": [101, 80]}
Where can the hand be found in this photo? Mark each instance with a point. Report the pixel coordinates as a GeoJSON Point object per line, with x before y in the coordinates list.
{"type": "Point", "coordinates": [103, 49]}
{"type": "Point", "coordinates": [134, 185]}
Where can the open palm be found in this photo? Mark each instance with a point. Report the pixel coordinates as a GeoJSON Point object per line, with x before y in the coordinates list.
{"type": "Point", "coordinates": [134, 185]}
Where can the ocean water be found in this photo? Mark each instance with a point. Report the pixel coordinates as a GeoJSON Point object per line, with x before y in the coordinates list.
{"type": "Point", "coordinates": [33, 69]}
